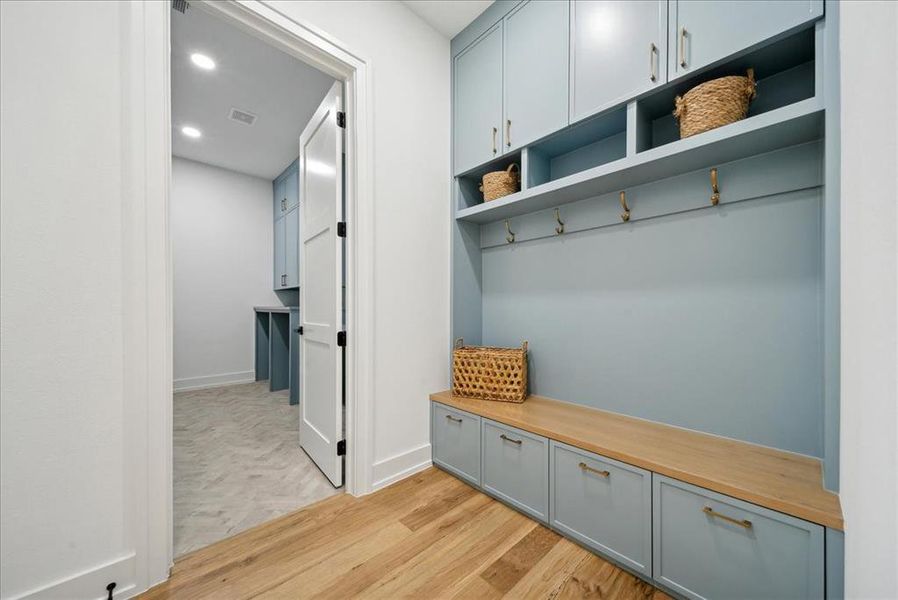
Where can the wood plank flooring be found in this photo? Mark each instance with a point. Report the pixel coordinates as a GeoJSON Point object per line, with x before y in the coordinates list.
{"type": "Point", "coordinates": [428, 536]}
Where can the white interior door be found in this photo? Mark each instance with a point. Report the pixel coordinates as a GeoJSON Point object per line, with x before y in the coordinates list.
{"type": "Point", "coordinates": [320, 286]}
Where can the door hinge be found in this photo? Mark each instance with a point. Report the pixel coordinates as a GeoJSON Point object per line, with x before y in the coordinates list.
{"type": "Point", "coordinates": [341, 448]}
{"type": "Point", "coordinates": [341, 119]}
{"type": "Point", "coordinates": [341, 229]}
{"type": "Point", "coordinates": [341, 338]}
{"type": "Point", "coordinates": [299, 330]}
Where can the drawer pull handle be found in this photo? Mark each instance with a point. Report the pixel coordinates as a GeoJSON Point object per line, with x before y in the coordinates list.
{"type": "Point", "coordinates": [585, 467]}
{"type": "Point", "coordinates": [451, 418]}
{"type": "Point", "coordinates": [508, 439]}
{"type": "Point", "coordinates": [652, 50]}
{"type": "Point", "coordinates": [683, 34]}
{"type": "Point", "coordinates": [740, 522]}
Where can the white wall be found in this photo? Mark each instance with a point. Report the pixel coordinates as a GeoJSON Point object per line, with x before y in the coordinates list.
{"type": "Point", "coordinates": [77, 290]}
{"type": "Point", "coordinates": [869, 404]}
{"type": "Point", "coordinates": [221, 231]}
{"type": "Point", "coordinates": [62, 456]}
{"type": "Point", "coordinates": [411, 77]}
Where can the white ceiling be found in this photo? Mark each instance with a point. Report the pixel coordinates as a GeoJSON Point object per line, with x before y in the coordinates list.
{"type": "Point", "coordinates": [448, 16]}
{"type": "Point", "coordinates": [249, 75]}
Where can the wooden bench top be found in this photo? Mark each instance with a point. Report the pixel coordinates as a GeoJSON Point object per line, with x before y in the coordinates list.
{"type": "Point", "coordinates": [782, 481]}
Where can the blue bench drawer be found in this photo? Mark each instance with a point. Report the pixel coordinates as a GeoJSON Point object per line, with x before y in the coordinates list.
{"type": "Point", "coordinates": [456, 442]}
{"type": "Point", "coordinates": [604, 504]}
{"type": "Point", "coordinates": [707, 545]}
{"type": "Point", "coordinates": [516, 468]}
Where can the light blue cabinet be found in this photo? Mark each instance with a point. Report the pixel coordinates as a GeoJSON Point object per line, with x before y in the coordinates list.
{"type": "Point", "coordinates": [702, 32]}
{"type": "Point", "coordinates": [619, 50]}
{"type": "Point", "coordinates": [286, 190]}
{"type": "Point", "coordinates": [456, 442]}
{"type": "Point", "coordinates": [280, 253]}
{"type": "Point", "coordinates": [291, 248]}
{"type": "Point", "coordinates": [602, 503]}
{"type": "Point", "coordinates": [286, 228]}
{"type": "Point", "coordinates": [478, 101]}
{"type": "Point", "coordinates": [707, 545]}
{"type": "Point", "coordinates": [516, 468]}
{"type": "Point", "coordinates": [535, 74]}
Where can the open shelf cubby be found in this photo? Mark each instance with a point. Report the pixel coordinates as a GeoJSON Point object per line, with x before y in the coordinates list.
{"type": "Point", "coordinates": [468, 184]}
{"type": "Point", "coordinates": [785, 73]}
{"type": "Point", "coordinates": [590, 143]}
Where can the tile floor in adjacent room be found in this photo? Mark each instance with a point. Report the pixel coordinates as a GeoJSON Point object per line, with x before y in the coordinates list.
{"type": "Point", "coordinates": [237, 463]}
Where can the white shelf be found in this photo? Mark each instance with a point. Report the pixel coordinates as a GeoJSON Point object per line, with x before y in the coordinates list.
{"type": "Point", "coordinates": [779, 128]}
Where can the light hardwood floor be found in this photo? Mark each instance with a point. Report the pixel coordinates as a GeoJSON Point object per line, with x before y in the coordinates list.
{"type": "Point", "coordinates": [428, 536]}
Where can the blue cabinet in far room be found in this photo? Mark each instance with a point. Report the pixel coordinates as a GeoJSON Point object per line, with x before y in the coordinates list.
{"type": "Point", "coordinates": [702, 32]}
{"type": "Point", "coordinates": [291, 247]}
{"type": "Point", "coordinates": [280, 253]}
{"type": "Point", "coordinates": [619, 50]}
{"type": "Point", "coordinates": [478, 101]}
{"type": "Point", "coordinates": [286, 228]}
{"type": "Point", "coordinates": [535, 74]}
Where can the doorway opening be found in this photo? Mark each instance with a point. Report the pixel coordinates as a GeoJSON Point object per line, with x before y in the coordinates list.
{"type": "Point", "coordinates": [259, 326]}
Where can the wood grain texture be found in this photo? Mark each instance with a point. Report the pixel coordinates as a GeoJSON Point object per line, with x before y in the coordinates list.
{"type": "Point", "coordinates": [428, 536]}
{"type": "Point", "coordinates": [782, 481]}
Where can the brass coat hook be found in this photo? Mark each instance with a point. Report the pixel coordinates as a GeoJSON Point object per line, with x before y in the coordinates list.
{"type": "Point", "coordinates": [510, 236]}
{"type": "Point", "coordinates": [624, 216]}
{"type": "Point", "coordinates": [560, 228]}
{"type": "Point", "coordinates": [715, 191]}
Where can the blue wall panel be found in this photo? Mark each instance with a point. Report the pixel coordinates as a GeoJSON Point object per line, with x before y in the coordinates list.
{"type": "Point", "coordinates": [709, 319]}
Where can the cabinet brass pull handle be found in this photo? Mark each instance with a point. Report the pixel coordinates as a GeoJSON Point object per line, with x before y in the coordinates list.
{"type": "Point", "coordinates": [451, 418]}
{"type": "Point", "coordinates": [652, 50]}
{"type": "Point", "coordinates": [585, 467]}
{"type": "Point", "coordinates": [745, 523]}
{"type": "Point", "coordinates": [683, 47]}
{"type": "Point", "coordinates": [508, 439]}
{"type": "Point", "coordinates": [715, 190]}
{"type": "Point", "coordinates": [495, 131]}
{"type": "Point", "coordinates": [508, 133]}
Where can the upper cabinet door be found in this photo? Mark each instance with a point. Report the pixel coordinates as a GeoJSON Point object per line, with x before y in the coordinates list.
{"type": "Point", "coordinates": [280, 196]}
{"type": "Point", "coordinates": [291, 183]}
{"type": "Point", "coordinates": [280, 256]}
{"type": "Point", "coordinates": [703, 32]}
{"type": "Point", "coordinates": [291, 248]}
{"type": "Point", "coordinates": [478, 101]}
{"type": "Point", "coordinates": [536, 71]}
{"type": "Point", "coordinates": [618, 51]}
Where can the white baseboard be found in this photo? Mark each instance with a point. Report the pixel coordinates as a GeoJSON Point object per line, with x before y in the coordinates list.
{"type": "Point", "coordinates": [390, 470]}
{"type": "Point", "coordinates": [90, 584]}
{"type": "Point", "coordinates": [211, 381]}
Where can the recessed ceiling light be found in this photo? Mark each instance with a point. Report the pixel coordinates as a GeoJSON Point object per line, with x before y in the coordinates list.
{"type": "Point", "coordinates": [202, 61]}
{"type": "Point", "coordinates": [191, 131]}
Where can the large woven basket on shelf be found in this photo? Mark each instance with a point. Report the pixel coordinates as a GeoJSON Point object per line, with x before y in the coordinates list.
{"type": "Point", "coordinates": [714, 103]}
{"type": "Point", "coordinates": [496, 184]}
{"type": "Point", "coordinates": [490, 373]}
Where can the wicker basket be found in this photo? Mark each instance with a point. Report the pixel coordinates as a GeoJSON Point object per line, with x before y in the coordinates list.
{"type": "Point", "coordinates": [501, 183]}
{"type": "Point", "coordinates": [714, 104]}
{"type": "Point", "coordinates": [490, 373]}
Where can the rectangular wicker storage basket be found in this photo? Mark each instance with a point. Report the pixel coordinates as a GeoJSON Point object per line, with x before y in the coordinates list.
{"type": "Point", "coordinates": [490, 373]}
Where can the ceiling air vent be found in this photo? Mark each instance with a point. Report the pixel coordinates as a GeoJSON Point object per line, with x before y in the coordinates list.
{"type": "Point", "coordinates": [180, 5]}
{"type": "Point", "coordinates": [241, 116]}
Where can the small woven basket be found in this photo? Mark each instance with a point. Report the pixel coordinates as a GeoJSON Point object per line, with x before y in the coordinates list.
{"type": "Point", "coordinates": [714, 103]}
{"type": "Point", "coordinates": [490, 373]}
{"type": "Point", "coordinates": [501, 183]}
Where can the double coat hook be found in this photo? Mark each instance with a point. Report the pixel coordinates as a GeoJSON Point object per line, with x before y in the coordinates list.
{"type": "Point", "coordinates": [624, 216]}
{"type": "Point", "coordinates": [715, 191]}
{"type": "Point", "coordinates": [509, 235]}
{"type": "Point", "coordinates": [559, 229]}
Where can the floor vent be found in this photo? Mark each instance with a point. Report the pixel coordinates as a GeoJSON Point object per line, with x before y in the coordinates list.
{"type": "Point", "coordinates": [241, 116]}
